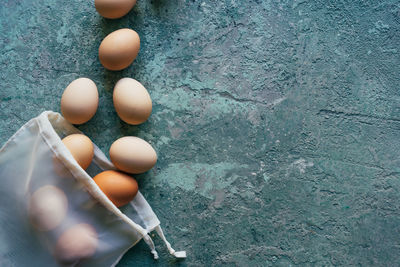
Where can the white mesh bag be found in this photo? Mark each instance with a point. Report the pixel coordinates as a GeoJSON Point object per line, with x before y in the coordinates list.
{"type": "Point", "coordinates": [51, 211]}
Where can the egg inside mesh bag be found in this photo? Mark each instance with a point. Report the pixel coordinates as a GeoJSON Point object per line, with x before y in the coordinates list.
{"type": "Point", "coordinates": [51, 211]}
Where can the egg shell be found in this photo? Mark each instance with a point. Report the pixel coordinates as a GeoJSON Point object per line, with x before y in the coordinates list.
{"type": "Point", "coordinates": [132, 101]}
{"type": "Point", "coordinates": [76, 243]}
{"type": "Point", "coordinates": [113, 9]}
{"type": "Point", "coordinates": [119, 49]}
{"type": "Point", "coordinates": [79, 101]}
{"type": "Point", "coordinates": [119, 187]}
{"type": "Point", "coordinates": [81, 148]}
{"type": "Point", "coordinates": [132, 154]}
{"type": "Point", "coordinates": [47, 208]}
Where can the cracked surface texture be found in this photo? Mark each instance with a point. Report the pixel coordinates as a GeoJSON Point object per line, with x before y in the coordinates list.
{"type": "Point", "coordinates": [276, 123]}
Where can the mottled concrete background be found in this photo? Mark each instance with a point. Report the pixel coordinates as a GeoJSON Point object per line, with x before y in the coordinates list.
{"type": "Point", "coordinates": [276, 122]}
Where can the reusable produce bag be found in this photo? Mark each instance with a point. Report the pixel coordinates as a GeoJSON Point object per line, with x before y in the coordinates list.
{"type": "Point", "coordinates": [51, 211]}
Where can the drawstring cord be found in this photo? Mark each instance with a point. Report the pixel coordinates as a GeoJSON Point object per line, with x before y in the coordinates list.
{"type": "Point", "coordinates": [177, 254]}
{"type": "Point", "coordinates": [150, 243]}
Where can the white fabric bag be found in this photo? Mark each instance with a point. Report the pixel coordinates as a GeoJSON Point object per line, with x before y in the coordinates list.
{"type": "Point", "coordinates": [51, 211]}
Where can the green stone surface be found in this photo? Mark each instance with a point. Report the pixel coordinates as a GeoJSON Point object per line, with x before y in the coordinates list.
{"type": "Point", "coordinates": [276, 122]}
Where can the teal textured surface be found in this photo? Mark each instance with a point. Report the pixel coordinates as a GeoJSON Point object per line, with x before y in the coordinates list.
{"type": "Point", "coordinates": [276, 123]}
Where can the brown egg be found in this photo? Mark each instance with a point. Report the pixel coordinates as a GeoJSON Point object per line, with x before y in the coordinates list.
{"type": "Point", "coordinates": [76, 243]}
{"type": "Point", "coordinates": [47, 208]}
{"type": "Point", "coordinates": [132, 101]}
{"type": "Point", "coordinates": [119, 187]}
{"type": "Point", "coordinates": [118, 50]}
{"type": "Point", "coordinates": [81, 149]}
{"type": "Point", "coordinates": [113, 9]}
{"type": "Point", "coordinates": [132, 154]}
{"type": "Point", "coordinates": [79, 101]}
